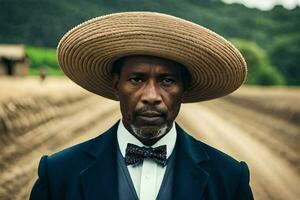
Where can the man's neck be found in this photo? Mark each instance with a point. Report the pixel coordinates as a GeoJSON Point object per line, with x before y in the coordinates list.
{"type": "Point", "coordinates": [148, 141]}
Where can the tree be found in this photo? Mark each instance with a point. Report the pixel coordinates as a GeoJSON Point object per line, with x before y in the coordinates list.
{"type": "Point", "coordinates": [285, 54]}
{"type": "Point", "coordinates": [260, 71]}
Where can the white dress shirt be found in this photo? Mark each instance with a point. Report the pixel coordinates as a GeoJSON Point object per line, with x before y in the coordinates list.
{"type": "Point", "coordinates": [146, 177]}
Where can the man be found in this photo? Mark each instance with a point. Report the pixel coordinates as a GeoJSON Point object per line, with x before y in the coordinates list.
{"type": "Point", "coordinates": [151, 63]}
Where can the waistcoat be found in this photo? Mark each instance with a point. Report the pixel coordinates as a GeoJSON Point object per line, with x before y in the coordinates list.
{"type": "Point", "coordinates": [125, 185]}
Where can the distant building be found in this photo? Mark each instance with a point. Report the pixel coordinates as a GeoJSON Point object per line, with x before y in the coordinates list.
{"type": "Point", "coordinates": [13, 60]}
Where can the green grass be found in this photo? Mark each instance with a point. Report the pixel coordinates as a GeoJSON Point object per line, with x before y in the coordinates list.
{"type": "Point", "coordinates": [41, 56]}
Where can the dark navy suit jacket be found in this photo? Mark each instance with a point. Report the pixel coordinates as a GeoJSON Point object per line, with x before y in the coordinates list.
{"type": "Point", "coordinates": [88, 171]}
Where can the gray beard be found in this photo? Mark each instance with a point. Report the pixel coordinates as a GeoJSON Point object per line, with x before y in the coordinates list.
{"type": "Point", "coordinates": [148, 133]}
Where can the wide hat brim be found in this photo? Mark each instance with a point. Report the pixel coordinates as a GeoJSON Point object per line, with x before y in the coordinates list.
{"type": "Point", "coordinates": [87, 52]}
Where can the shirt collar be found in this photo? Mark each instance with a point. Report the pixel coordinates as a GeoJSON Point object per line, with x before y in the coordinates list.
{"type": "Point", "coordinates": [125, 137]}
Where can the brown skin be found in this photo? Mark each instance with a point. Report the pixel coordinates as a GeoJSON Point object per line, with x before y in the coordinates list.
{"type": "Point", "coordinates": [150, 90]}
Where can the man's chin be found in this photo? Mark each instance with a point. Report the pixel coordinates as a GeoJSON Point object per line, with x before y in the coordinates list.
{"type": "Point", "coordinates": [149, 131]}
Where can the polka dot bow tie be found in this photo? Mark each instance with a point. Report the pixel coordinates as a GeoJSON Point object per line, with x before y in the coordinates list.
{"type": "Point", "coordinates": [135, 154]}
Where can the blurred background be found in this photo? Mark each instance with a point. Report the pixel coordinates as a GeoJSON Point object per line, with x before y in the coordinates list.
{"type": "Point", "coordinates": [42, 112]}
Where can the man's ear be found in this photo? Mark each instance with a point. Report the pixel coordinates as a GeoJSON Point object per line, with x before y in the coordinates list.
{"type": "Point", "coordinates": [115, 81]}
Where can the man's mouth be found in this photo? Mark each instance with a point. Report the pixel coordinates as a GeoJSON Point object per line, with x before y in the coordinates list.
{"type": "Point", "coordinates": [150, 118]}
{"type": "Point", "coordinates": [150, 114]}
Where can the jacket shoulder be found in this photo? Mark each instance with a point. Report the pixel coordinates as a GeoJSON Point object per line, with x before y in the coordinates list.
{"type": "Point", "coordinates": [214, 161]}
{"type": "Point", "coordinates": [226, 173]}
{"type": "Point", "coordinates": [59, 174]}
{"type": "Point", "coordinates": [81, 151]}
{"type": "Point", "coordinates": [66, 156]}
{"type": "Point", "coordinates": [70, 161]}
{"type": "Point", "coordinates": [214, 155]}
{"type": "Point", "coordinates": [217, 155]}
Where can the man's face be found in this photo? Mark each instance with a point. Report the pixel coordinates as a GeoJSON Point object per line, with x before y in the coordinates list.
{"type": "Point", "coordinates": [150, 91]}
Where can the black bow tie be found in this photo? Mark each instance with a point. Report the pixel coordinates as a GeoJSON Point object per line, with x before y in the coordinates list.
{"type": "Point", "coordinates": [136, 154]}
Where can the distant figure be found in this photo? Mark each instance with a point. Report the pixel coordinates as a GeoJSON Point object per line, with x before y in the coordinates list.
{"type": "Point", "coordinates": [43, 72]}
{"type": "Point", "coordinates": [151, 63]}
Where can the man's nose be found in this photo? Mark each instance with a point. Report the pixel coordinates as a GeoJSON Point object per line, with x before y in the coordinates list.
{"type": "Point", "coordinates": [151, 94]}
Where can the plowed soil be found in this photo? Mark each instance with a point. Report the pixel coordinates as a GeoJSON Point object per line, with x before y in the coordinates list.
{"type": "Point", "coordinates": [258, 125]}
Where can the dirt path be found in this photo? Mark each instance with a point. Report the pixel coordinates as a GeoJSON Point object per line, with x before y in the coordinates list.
{"type": "Point", "coordinates": [272, 177]}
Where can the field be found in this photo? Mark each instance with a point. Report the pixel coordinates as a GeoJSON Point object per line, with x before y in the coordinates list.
{"type": "Point", "coordinates": [258, 125]}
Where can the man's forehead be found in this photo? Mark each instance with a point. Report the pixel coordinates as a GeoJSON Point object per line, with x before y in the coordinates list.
{"type": "Point", "coordinates": [147, 63]}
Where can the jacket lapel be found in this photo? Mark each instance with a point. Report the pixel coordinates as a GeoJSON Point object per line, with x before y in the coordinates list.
{"type": "Point", "coordinates": [99, 179]}
{"type": "Point", "coordinates": [190, 179]}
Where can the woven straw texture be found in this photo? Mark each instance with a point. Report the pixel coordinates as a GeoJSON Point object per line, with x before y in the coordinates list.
{"type": "Point", "coordinates": [86, 53]}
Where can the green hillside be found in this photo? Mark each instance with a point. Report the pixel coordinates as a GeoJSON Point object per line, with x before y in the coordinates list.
{"type": "Point", "coordinates": [43, 22]}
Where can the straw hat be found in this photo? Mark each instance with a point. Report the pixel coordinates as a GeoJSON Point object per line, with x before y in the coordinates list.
{"type": "Point", "coordinates": [87, 52]}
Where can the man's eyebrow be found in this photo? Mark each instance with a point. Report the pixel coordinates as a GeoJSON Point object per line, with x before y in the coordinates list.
{"type": "Point", "coordinates": [137, 74]}
{"type": "Point", "coordinates": [173, 74]}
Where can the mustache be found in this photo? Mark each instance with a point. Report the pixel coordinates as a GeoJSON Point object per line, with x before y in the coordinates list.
{"type": "Point", "coordinates": [148, 108]}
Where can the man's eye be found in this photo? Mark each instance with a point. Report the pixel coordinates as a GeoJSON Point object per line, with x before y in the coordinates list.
{"type": "Point", "coordinates": [167, 81]}
{"type": "Point", "coordinates": [135, 80]}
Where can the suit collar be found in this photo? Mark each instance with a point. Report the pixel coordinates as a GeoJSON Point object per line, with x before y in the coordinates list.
{"type": "Point", "coordinates": [190, 179]}
{"type": "Point", "coordinates": [192, 147]}
{"type": "Point", "coordinates": [99, 179]}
